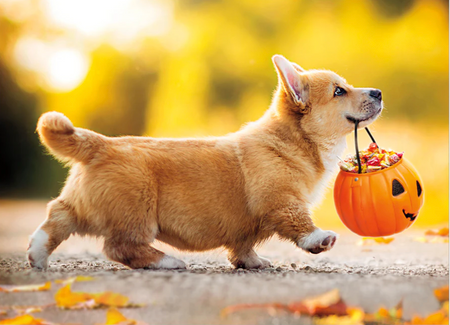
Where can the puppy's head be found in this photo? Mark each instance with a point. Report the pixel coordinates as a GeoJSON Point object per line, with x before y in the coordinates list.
{"type": "Point", "coordinates": [322, 101]}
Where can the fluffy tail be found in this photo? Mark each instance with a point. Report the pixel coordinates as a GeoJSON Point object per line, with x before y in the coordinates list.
{"type": "Point", "coordinates": [66, 142]}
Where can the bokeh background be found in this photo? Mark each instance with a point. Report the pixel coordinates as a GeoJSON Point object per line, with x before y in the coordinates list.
{"type": "Point", "coordinates": [168, 68]}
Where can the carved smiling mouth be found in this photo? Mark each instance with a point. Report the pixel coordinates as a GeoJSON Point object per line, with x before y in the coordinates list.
{"type": "Point", "coordinates": [410, 216]}
{"type": "Point", "coordinates": [358, 120]}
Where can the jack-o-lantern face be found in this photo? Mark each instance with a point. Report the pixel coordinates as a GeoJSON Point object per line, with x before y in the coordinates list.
{"type": "Point", "coordinates": [380, 203]}
{"type": "Point", "coordinates": [399, 189]}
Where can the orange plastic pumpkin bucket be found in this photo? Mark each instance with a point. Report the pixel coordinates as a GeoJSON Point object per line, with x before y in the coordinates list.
{"type": "Point", "coordinates": [379, 203]}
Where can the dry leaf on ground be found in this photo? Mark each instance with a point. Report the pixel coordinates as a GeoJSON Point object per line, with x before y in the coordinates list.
{"type": "Point", "coordinates": [111, 299]}
{"type": "Point", "coordinates": [355, 317]}
{"type": "Point", "coordinates": [79, 278]}
{"type": "Point", "coordinates": [440, 232]}
{"type": "Point", "coordinates": [24, 288]}
{"type": "Point", "coordinates": [329, 303]}
{"type": "Point", "coordinates": [66, 298]}
{"type": "Point", "coordinates": [28, 309]}
{"type": "Point", "coordinates": [436, 318]}
{"type": "Point", "coordinates": [387, 316]}
{"type": "Point", "coordinates": [375, 241]}
{"type": "Point", "coordinates": [439, 317]}
{"type": "Point", "coordinates": [441, 293]}
{"type": "Point", "coordinates": [433, 240]}
{"type": "Point", "coordinates": [24, 320]}
{"type": "Point", "coordinates": [113, 317]}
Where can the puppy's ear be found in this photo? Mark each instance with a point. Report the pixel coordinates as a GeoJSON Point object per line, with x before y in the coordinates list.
{"type": "Point", "coordinates": [290, 79]}
{"type": "Point", "coordinates": [297, 67]}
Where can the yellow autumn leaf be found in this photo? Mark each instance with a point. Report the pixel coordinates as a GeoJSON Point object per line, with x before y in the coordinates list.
{"type": "Point", "coordinates": [441, 293]}
{"type": "Point", "coordinates": [436, 318]}
{"type": "Point", "coordinates": [113, 316]}
{"type": "Point", "coordinates": [386, 316]}
{"type": "Point", "coordinates": [79, 278]}
{"type": "Point", "coordinates": [110, 299]}
{"type": "Point", "coordinates": [440, 232]}
{"type": "Point", "coordinates": [355, 317]}
{"type": "Point", "coordinates": [383, 312]}
{"type": "Point", "coordinates": [328, 298]}
{"type": "Point", "coordinates": [445, 308]}
{"type": "Point", "coordinates": [65, 298]}
{"type": "Point", "coordinates": [27, 310]}
{"type": "Point", "coordinates": [24, 320]}
{"type": "Point", "coordinates": [375, 241]}
{"type": "Point", "coordinates": [26, 288]}
{"type": "Point", "coordinates": [434, 240]}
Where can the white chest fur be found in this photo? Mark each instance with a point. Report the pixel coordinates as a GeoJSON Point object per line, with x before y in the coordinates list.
{"type": "Point", "coordinates": [330, 162]}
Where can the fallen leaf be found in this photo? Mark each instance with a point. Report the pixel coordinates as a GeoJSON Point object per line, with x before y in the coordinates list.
{"type": "Point", "coordinates": [111, 299]}
{"type": "Point", "coordinates": [34, 287]}
{"type": "Point", "coordinates": [375, 241]}
{"type": "Point", "coordinates": [66, 298]}
{"type": "Point", "coordinates": [441, 293]}
{"type": "Point", "coordinates": [329, 303]}
{"type": "Point", "coordinates": [113, 317]}
{"type": "Point", "coordinates": [436, 318]}
{"type": "Point", "coordinates": [440, 232]}
{"type": "Point", "coordinates": [386, 316]}
{"type": "Point", "coordinates": [355, 317]}
{"type": "Point", "coordinates": [445, 308]}
{"type": "Point", "coordinates": [24, 320]}
{"type": "Point", "coordinates": [434, 240]}
{"type": "Point", "coordinates": [79, 278]}
{"type": "Point", "coordinates": [26, 310]}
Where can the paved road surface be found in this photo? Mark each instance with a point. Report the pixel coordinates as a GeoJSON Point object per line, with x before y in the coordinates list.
{"type": "Point", "coordinates": [367, 276]}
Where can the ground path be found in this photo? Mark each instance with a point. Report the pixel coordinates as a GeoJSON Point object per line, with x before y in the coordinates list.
{"type": "Point", "coordinates": [367, 276]}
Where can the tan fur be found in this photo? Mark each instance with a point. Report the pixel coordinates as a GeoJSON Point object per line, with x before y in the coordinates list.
{"type": "Point", "coordinates": [199, 194]}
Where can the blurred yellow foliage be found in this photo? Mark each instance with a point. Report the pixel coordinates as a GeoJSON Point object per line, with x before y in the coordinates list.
{"type": "Point", "coordinates": [198, 68]}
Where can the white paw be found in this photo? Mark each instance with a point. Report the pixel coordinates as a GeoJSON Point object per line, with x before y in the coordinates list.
{"type": "Point", "coordinates": [318, 241]}
{"type": "Point", "coordinates": [37, 252]}
{"type": "Point", "coordinates": [169, 262]}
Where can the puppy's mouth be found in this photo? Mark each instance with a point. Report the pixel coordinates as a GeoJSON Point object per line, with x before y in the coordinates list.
{"type": "Point", "coordinates": [354, 120]}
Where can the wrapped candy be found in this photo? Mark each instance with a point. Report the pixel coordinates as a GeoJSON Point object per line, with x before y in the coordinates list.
{"type": "Point", "coordinates": [372, 159]}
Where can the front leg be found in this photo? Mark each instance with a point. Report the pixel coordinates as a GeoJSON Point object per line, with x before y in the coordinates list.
{"type": "Point", "coordinates": [294, 223]}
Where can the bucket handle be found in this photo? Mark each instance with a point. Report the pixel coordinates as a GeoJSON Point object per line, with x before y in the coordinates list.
{"type": "Point", "coordinates": [356, 144]}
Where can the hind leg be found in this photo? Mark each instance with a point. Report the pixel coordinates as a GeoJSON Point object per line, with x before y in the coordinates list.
{"type": "Point", "coordinates": [58, 226]}
{"type": "Point", "coordinates": [138, 255]}
{"type": "Point", "coordinates": [248, 259]}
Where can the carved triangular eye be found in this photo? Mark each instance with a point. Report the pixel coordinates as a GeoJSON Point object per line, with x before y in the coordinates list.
{"type": "Point", "coordinates": [397, 188]}
{"type": "Point", "coordinates": [419, 188]}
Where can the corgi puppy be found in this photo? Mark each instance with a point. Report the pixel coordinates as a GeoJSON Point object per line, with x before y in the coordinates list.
{"type": "Point", "coordinates": [234, 191]}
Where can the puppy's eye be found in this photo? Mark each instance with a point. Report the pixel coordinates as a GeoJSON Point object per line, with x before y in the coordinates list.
{"type": "Point", "coordinates": [339, 91]}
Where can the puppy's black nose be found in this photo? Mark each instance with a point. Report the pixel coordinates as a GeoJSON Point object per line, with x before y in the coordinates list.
{"type": "Point", "coordinates": [375, 93]}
